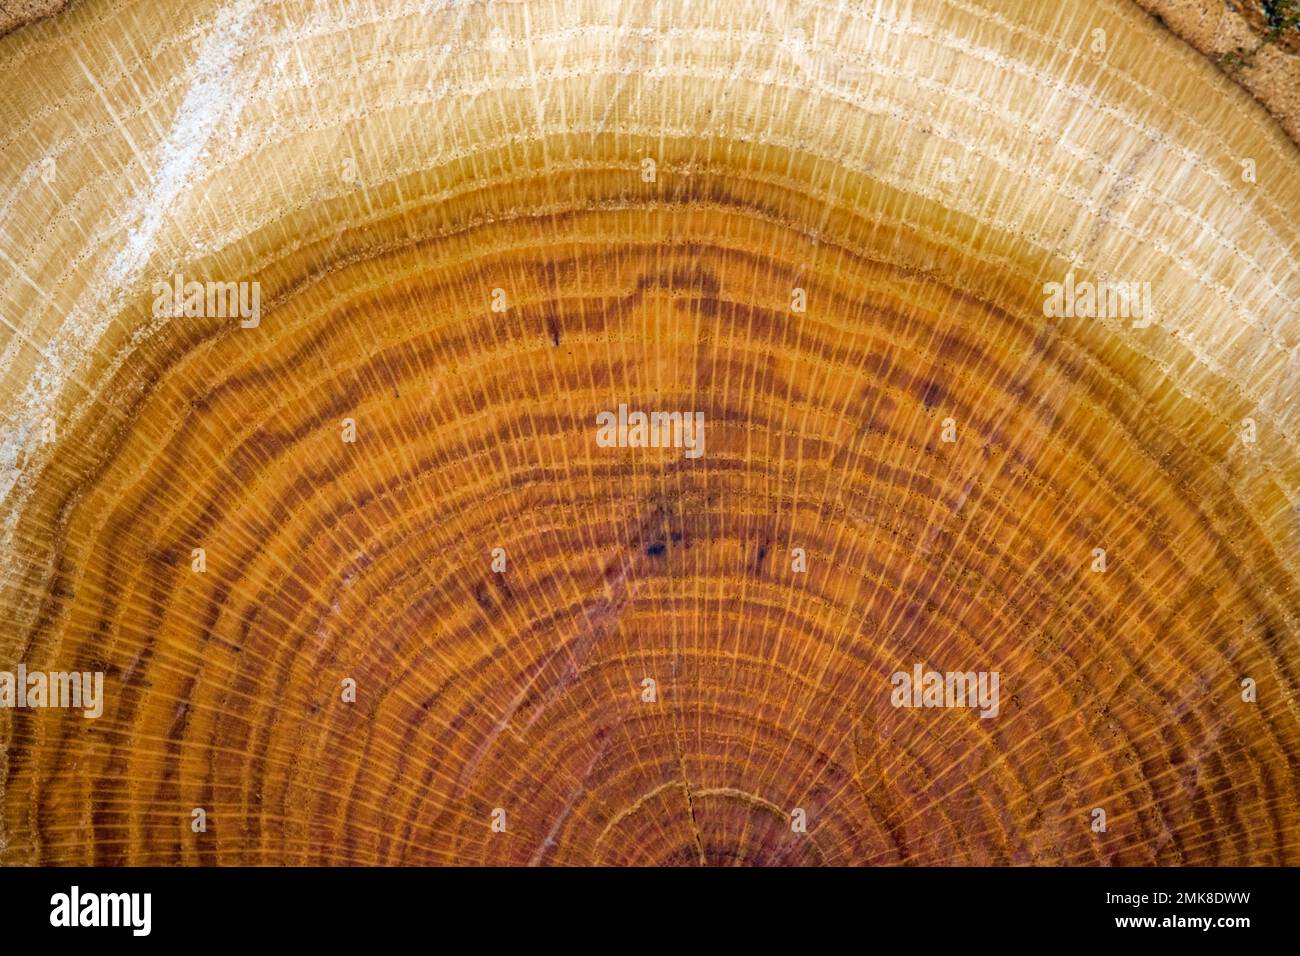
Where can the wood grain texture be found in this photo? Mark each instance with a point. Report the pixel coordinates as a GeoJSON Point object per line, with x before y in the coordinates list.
{"type": "Point", "coordinates": [1255, 42]}
{"type": "Point", "coordinates": [919, 169]}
